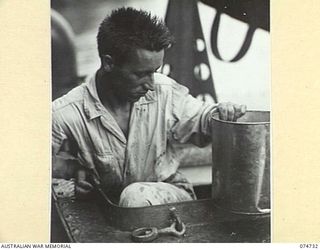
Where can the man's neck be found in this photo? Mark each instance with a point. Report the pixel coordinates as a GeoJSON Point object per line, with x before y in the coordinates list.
{"type": "Point", "coordinates": [107, 95]}
{"type": "Point", "coordinates": [120, 110]}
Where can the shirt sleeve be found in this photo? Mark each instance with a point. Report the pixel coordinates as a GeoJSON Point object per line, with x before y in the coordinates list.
{"type": "Point", "coordinates": [191, 117]}
{"type": "Point", "coordinates": [58, 136]}
{"type": "Point", "coordinates": [63, 160]}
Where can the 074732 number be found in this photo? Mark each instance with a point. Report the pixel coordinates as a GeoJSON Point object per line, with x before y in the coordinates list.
{"type": "Point", "coordinates": [308, 246]}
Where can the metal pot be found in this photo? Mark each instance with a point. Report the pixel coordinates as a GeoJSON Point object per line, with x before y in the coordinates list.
{"type": "Point", "coordinates": [241, 163]}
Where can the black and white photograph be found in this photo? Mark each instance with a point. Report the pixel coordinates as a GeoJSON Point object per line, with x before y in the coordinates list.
{"type": "Point", "coordinates": [160, 121]}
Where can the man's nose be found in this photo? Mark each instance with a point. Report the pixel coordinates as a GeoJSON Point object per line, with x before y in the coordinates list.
{"type": "Point", "coordinates": [149, 84]}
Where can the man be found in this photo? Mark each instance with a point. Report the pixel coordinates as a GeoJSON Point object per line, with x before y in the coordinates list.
{"type": "Point", "coordinates": [117, 129]}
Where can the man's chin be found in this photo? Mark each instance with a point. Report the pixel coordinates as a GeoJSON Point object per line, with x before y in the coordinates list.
{"type": "Point", "coordinates": [130, 99]}
{"type": "Point", "coordinates": [134, 99]}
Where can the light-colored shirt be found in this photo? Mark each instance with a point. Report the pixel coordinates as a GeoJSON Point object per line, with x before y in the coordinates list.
{"type": "Point", "coordinates": [84, 131]}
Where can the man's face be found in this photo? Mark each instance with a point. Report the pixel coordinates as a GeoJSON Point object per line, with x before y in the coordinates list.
{"type": "Point", "coordinates": [134, 78]}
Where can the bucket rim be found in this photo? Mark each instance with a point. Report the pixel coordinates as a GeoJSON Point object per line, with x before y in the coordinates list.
{"type": "Point", "coordinates": [244, 123]}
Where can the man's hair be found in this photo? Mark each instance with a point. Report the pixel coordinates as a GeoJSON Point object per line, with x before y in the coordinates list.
{"type": "Point", "coordinates": [126, 29]}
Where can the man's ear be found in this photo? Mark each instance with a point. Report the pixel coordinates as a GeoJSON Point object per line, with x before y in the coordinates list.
{"type": "Point", "coordinates": [107, 63]}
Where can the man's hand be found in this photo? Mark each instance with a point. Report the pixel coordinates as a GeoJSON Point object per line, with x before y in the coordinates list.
{"type": "Point", "coordinates": [231, 112]}
{"type": "Point", "coordinates": [83, 189]}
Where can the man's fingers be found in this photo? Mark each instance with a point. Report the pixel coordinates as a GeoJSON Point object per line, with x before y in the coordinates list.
{"type": "Point", "coordinates": [85, 185]}
{"type": "Point", "coordinates": [226, 111]}
{"type": "Point", "coordinates": [223, 112]}
{"type": "Point", "coordinates": [237, 112]}
{"type": "Point", "coordinates": [83, 190]}
{"type": "Point", "coordinates": [243, 109]}
{"type": "Point", "coordinates": [240, 110]}
{"type": "Point", "coordinates": [231, 112]}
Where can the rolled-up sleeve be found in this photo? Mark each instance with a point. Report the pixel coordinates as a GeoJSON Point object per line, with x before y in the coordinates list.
{"type": "Point", "coordinates": [63, 160]}
{"type": "Point", "coordinates": [58, 136]}
{"type": "Point", "coordinates": [191, 117]}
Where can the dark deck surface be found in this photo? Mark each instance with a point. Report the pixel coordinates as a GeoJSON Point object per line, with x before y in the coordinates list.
{"type": "Point", "coordinates": [84, 221]}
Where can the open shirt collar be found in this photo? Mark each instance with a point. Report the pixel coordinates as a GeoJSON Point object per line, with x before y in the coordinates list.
{"type": "Point", "coordinates": [93, 106]}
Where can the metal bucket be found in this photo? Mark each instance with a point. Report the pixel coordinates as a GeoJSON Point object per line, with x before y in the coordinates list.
{"type": "Point", "coordinates": [241, 163]}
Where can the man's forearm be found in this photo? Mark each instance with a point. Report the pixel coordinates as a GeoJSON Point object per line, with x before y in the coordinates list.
{"type": "Point", "coordinates": [63, 168]}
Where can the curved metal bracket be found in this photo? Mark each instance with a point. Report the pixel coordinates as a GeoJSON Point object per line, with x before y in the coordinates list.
{"type": "Point", "coordinates": [214, 40]}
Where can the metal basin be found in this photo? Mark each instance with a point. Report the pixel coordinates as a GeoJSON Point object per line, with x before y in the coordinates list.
{"type": "Point", "coordinates": [241, 163]}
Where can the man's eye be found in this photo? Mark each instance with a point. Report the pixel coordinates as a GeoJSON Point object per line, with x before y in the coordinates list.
{"type": "Point", "coordinates": [140, 75]}
{"type": "Point", "coordinates": [143, 74]}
